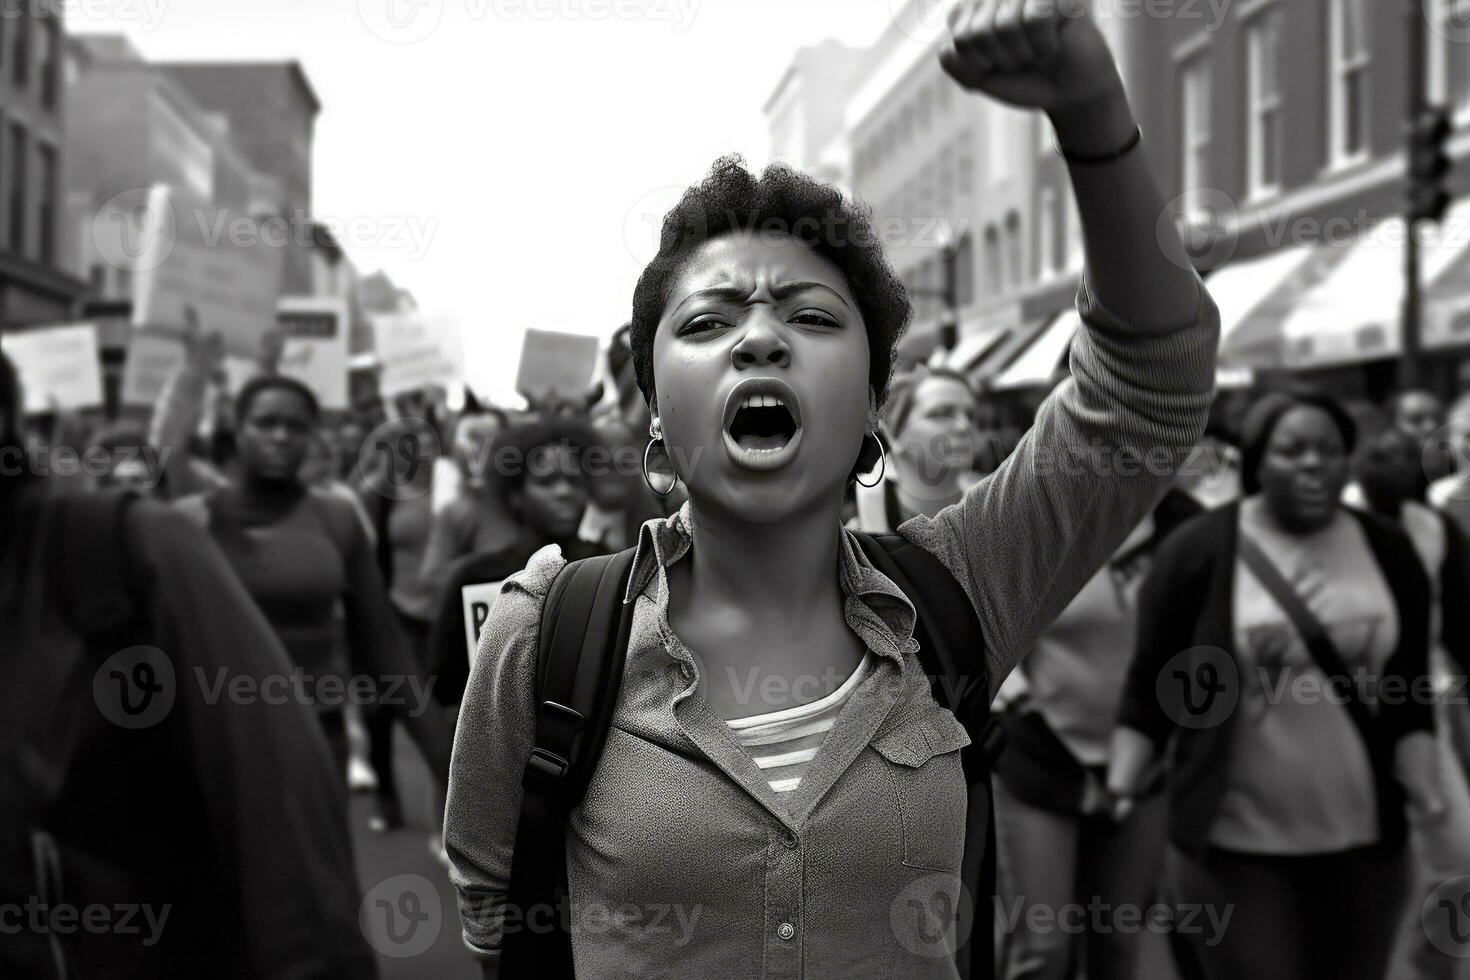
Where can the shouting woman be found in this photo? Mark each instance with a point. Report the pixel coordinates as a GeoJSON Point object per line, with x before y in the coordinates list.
{"type": "Point", "coordinates": [763, 336]}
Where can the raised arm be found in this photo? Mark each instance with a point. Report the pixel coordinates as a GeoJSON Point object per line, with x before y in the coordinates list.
{"type": "Point", "coordinates": [1107, 442]}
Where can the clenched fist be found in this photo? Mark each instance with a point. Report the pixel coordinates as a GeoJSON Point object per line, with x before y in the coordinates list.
{"type": "Point", "coordinates": [1036, 54]}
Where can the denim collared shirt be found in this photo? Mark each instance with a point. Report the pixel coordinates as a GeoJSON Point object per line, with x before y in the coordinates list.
{"type": "Point", "coordinates": [681, 859]}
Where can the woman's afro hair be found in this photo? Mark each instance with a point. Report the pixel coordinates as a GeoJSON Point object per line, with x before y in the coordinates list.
{"type": "Point", "coordinates": [780, 201]}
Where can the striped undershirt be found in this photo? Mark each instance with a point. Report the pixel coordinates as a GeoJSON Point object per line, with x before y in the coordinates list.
{"type": "Point", "coordinates": [784, 743]}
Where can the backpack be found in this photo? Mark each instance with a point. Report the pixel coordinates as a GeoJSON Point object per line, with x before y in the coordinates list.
{"type": "Point", "coordinates": [582, 649]}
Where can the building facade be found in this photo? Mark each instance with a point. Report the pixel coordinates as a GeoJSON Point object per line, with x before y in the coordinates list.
{"type": "Point", "coordinates": [1280, 130]}
{"type": "Point", "coordinates": [34, 285]}
{"type": "Point", "coordinates": [944, 171]}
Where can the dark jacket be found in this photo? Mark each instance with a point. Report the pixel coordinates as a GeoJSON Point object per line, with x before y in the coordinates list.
{"type": "Point", "coordinates": [1185, 624]}
{"type": "Point", "coordinates": [222, 811]}
{"type": "Point", "coordinates": [448, 654]}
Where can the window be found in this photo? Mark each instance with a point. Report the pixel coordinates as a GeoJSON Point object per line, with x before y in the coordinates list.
{"type": "Point", "coordinates": [1349, 81]}
{"type": "Point", "coordinates": [1446, 23]}
{"type": "Point", "coordinates": [964, 165]}
{"type": "Point", "coordinates": [19, 152]}
{"type": "Point", "coordinates": [1048, 254]}
{"type": "Point", "coordinates": [1014, 252]}
{"type": "Point", "coordinates": [964, 271]}
{"type": "Point", "coordinates": [1263, 77]}
{"type": "Point", "coordinates": [20, 67]}
{"type": "Point", "coordinates": [1002, 144]}
{"type": "Point", "coordinates": [46, 192]}
{"type": "Point", "coordinates": [992, 261]}
{"type": "Point", "coordinates": [48, 58]}
{"type": "Point", "coordinates": [1195, 145]}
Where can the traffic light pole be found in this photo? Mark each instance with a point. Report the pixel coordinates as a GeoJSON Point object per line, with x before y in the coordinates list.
{"type": "Point", "coordinates": [1409, 362]}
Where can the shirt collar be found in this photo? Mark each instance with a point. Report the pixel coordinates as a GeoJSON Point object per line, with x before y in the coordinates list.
{"type": "Point", "coordinates": [870, 594]}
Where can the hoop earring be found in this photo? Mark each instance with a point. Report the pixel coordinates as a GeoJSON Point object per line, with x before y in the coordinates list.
{"type": "Point", "coordinates": [659, 493]}
{"type": "Point", "coordinates": [882, 458]}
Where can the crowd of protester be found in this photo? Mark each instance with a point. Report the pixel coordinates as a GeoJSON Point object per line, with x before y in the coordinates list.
{"type": "Point", "coordinates": [275, 536]}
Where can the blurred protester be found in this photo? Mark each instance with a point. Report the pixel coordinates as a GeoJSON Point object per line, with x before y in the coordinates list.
{"type": "Point", "coordinates": [547, 490]}
{"type": "Point", "coordinates": [1288, 810]}
{"type": "Point", "coordinates": [398, 501]}
{"type": "Point", "coordinates": [1059, 844]}
{"type": "Point", "coordinates": [616, 507]}
{"type": "Point", "coordinates": [1389, 468]}
{"type": "Point", "coordinates": [307, 560]}
{"type": "Point", "coordinates": [213, 822]}
{"type": "Point", "coordinates": [132, 464]}
{"type": "Point", "coordinates": [930, 423]}
{"type": "Point", "coordinates": [1419, 415]}
{"type": "Point", "coordinates": [476, 519]}
{"type": "Point", "coordinates": [1211, 474]}
{"type": "Point", "coordinates": [1451, 494]}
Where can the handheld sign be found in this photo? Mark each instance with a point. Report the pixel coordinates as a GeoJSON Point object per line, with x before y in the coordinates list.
{"type": "Point", "coordinates": [58, 366]}
{"type": "Point", "coordinates": [555, 363]}
{"type": "Point", "coordinates": [476, 601]}
{"type": "Point", "coordinates": [226, 265]}
{"type": "Point", "coordinates": [416, 351]}
{"type": "Point", "coordinates": [315, 351]}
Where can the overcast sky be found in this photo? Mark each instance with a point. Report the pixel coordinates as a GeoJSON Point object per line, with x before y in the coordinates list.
{"type": "Point", "coordinates": [512, 155]}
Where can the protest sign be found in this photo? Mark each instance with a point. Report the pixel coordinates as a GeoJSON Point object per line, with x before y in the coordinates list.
{"type": "Point", "coordinates": [417, 351]}
{"type": "Point", "coordinates": [217, 261]}
{"type": "Point", "coordinates": [477, 601]}
{"type": "Point", "coordinates": [58, 366]}
{"type": "Point", "coordinates": [153, 356]}
{"type": "Point", "coordinates": [315, 349]}
{"type": "Point", "coordinates": [556, 364]}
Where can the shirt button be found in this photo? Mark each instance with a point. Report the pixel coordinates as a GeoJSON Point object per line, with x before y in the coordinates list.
{"type": "Point", "coordinates": [788, 838]}
{"type": "Point", "coordinates": [786, 930]}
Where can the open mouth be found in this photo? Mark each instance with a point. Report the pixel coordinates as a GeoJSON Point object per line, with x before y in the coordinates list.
{"type": "Point", "coordinates": [762, 423]}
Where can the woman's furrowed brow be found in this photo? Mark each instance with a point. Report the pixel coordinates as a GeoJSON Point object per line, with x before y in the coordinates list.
{"type": "Point", "coordinates": [742, 294]}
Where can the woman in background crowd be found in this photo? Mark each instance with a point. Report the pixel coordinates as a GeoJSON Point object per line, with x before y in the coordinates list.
{"type": "Point", "coordinates": [1389, 469]}
{"type": "Point", "coordinates": [1288, 809]}
{"type": "Point", "coordinates": [475, 520]}
{"type": "Point", "coordinates": [547, 492]}
{"type": "Point", "coordinates": [1419, 415]}
{"type": "Point", "coordinates": [307, 560]}
{"type": "Point", "coordinates": [932, 425]}
{"type": "Point", "coordinates": [397, 498]}
{"type": "Point", "coordinates": [1059, 843]}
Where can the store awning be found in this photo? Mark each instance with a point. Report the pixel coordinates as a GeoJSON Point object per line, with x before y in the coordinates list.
{"type": "Point", "coordinates": [1039, 362]}
{"type": "Point", "coordinates": [973, 347]}
{"type": "Point", "coordinates": [1355, 313]}
{"type": "Point", "coordinates": [1254, 297]}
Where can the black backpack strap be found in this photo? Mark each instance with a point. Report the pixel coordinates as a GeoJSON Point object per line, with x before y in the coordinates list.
{"type": "Point", "coordinates": [582, 647]}
{"type": "Point", "coordinates": [952, 653]}
{"type": "Point", "coordinates": [951, 646]}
